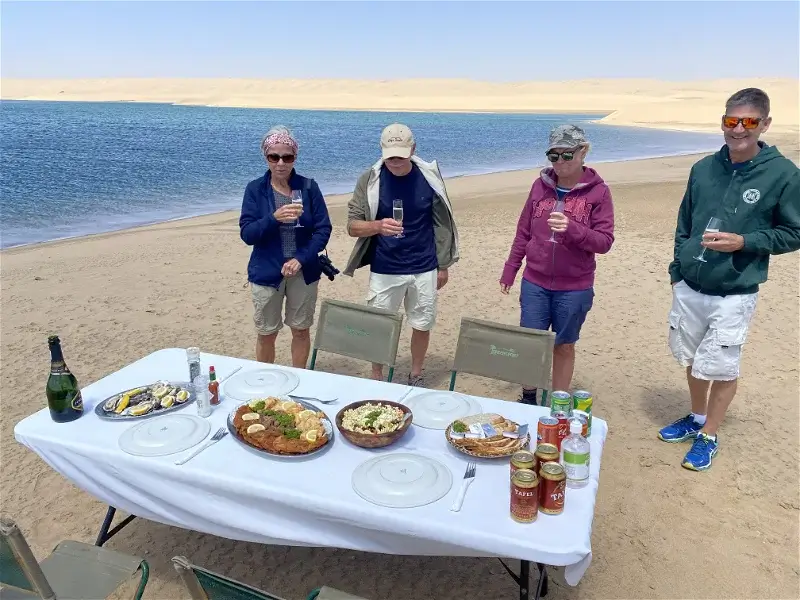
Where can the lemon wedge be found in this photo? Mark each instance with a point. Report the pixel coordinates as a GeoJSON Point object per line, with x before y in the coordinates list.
{"type": "Point", "coordinates": [287, 405]}
{"type": "Point", "coordinates": [311, 436]}
{"type": "Point", "coordinates": [123, 404]}
{"type": "Point", "coordinates": [255, 428]}
{"type": "Point", "coordinates": [304, 414]}
{"type": "Point", "coordinates": [251, 417]}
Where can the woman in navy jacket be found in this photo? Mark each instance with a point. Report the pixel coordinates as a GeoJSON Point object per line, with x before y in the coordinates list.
{"type": "Point", "coordinates": [284, 266]}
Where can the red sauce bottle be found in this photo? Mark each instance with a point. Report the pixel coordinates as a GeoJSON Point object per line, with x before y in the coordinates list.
{"type": "Point", "coordinates": [213, 385]}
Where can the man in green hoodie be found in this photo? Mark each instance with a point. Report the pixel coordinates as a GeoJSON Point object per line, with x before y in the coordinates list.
{"type": "Point", "coordinates": [741, 205]}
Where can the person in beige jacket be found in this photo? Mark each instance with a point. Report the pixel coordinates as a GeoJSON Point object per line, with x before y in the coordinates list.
{"type": "Point", "coordinates": [403, 219]}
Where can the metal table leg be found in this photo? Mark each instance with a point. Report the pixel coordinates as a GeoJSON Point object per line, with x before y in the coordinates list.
{"type": "Point", "coordinates": [523, 579]}
{"type": "Point", "coordinates": [106, 534]}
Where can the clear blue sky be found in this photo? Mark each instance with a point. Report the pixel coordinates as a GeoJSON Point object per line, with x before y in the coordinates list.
{"type": "Point", "coordinates": [501, 41]}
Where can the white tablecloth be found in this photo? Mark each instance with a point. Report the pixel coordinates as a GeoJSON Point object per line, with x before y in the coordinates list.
{"type": "Point", "coordinates": [234, 493]}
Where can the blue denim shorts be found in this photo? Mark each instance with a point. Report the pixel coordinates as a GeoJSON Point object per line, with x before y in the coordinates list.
{"type": "Point", "coordinates": [564, 312]}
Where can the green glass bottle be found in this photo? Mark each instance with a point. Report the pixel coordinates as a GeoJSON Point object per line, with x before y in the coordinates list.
{"type": "Point", "coordinates": [63, 394]}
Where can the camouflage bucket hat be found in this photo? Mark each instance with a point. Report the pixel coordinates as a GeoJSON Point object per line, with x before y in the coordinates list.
{"type": "Point", "coordinates": [567, 136]}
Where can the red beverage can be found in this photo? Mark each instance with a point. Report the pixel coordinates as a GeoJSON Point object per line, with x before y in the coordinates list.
{"type": "Point", "coordinates": [563, 427]}
{"type": "Point", "coordinates": [547, 431]}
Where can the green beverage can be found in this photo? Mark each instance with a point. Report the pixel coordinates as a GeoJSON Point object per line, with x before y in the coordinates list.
{"type": "Point", "coordinates": [582, 400]}
{"type": "Point", "coordinates": [561, 402]}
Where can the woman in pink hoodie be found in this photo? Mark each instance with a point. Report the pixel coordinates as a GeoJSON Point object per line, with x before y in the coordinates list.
{"type": "Point", "coordinates": [567, 219]}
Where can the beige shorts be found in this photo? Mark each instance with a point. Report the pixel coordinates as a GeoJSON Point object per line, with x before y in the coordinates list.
{"type": "Point", "coordinates": [707, 333]}
{"type": "Point", "coordinates": [417, 292]}
{"type": "Point", "coordinates": [301, 304]}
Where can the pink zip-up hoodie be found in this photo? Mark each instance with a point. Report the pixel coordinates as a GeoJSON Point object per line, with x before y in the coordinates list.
{"type": "Point", "coordinates": [570, 264]}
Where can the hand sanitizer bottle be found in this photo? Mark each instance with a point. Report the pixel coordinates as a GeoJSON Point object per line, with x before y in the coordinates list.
{"type": "Point", "coordinates": [575, 456]}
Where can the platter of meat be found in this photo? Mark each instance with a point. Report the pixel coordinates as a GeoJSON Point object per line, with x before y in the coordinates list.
{"type": "Point", "coordinates": [281, 427]}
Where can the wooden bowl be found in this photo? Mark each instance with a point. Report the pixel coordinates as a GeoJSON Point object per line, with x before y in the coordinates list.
{"type": "Point", "coordinates": [374, 440]}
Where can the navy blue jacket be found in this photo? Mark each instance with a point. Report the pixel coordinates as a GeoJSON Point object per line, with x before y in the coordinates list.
{"type": "Point", "coordinates": [260, 229]}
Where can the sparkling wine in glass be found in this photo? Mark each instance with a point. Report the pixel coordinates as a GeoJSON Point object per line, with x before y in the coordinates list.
{"type": "Point", "coordinates": [559, 208]}
{"type": "Point", "coordinates": [297, 200]}
{"type": "Point", "coordinates": [397, 214]}
{"type": "Point", "coordinates": [713, 227]}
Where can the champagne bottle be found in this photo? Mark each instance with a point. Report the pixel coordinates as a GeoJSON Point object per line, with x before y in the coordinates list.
{"type": "Point", "coordinates": [63, 394]}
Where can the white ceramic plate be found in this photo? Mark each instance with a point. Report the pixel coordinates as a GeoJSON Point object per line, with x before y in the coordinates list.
{"type": "Point", "coordinates": [402, 480]}
{"type": "Point", "coordinates": [436, 409]}
{"type": "Point", "coordinates": [259, 383]}
{"type": "Point", "coordinates": [167, 434]}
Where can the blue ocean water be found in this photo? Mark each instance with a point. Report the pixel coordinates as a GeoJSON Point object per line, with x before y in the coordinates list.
{"type": "Point", "coordinates": [74, 168]}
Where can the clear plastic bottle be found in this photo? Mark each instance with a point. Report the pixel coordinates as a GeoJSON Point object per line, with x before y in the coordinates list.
{"type": "Point", "coordinates": [575, 456]}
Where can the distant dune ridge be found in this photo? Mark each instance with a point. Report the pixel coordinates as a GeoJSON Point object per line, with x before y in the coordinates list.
{"type": "Point", "coordinates": [692, 105]}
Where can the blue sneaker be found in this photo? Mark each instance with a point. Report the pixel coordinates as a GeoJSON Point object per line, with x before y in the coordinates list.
{"type": "Point", "coordinates": [699, 456]}
{"type": "Point", "coordinates": [681, 430]}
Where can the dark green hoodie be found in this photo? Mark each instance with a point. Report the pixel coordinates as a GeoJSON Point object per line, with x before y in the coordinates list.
{"type": "Point", "coordinates": [760, 200]}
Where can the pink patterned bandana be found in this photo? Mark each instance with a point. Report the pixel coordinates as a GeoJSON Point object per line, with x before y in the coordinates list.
{"type": "Point", "coordinates": [278, 138]}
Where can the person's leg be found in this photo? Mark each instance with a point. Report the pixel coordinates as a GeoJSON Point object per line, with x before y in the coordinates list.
{"type": "Point", "coordinates": [534, 302]}
{"type": "Point", "coordinates": [717, 361]}
{"type": "Point", "coordinates": [386, 292]}
{"type": "Point", "coordinates": [569, 310]}
{"type": "Point", "coordinates": [688, 325]}
{"type": "Point", "coordinates": [420, 305]}
{"type": "Point", "coordinates": [301, 305]}
{"type": "Point", "coordinates": [267, 304]}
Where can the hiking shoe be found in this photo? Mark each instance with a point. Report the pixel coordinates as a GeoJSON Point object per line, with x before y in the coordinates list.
{"type": "Point", "coordinates": [698, 458]}
{"type": "Point", "coordinates": [528, 397]}
{"type": "Point", "coordinates": [416, 380]}
{"type": "Point", "coordinates": [681, 430]}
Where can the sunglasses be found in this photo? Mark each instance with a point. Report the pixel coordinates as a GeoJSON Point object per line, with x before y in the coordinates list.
{"type": "Point", "coordinates": [553, 156]}
{"type": "Point", "coordinates": [286, 158]}
{"type": "Point", "coordinates": [747, 122]}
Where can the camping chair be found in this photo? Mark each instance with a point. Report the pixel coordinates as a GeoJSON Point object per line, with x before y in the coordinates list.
{"type": "Point", "coordinates": [207, 585]}
{"type": "Point", "coordinates": [359, 332]}
{"type": "Point", "coordinates": [505, 352]}
{"type": "Point", "coordinates": [73, 570]}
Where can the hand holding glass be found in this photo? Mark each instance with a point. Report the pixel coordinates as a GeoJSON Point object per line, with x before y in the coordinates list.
{"type": "Point", "coordinates": [713, 227]}
{"type": "Point", "coordinates": [297, 200]}
{"type": "Point", "coordinates": [559, 208]}
{"type": "Point", "coordinates": [397, 214]}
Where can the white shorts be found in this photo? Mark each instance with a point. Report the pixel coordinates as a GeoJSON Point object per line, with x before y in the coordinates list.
{"type": "Point", "coordinates": [417, 292]}
{"type": "Point", "coordinates": [707, 332]}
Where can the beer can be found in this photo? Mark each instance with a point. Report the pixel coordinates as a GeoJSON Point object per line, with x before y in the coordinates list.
{"type": "Point", "coordinates": [547, 431]}
{"type": "Point", "coordinates": [552, 489]}
{"type": "Point", "coordinates": [560, 402]}
{"type": "Point", "coordinates": [582, 400]}
{"type": "Point", "coordinates": [522, 459]}
{"type": "Point", "coordinates": [524, 496]}
{"type": "Point", "coordinates": [545, 453]}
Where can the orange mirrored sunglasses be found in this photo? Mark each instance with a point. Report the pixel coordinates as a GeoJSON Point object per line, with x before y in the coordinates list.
{"type": "Point", "coordinates": [747, 122]}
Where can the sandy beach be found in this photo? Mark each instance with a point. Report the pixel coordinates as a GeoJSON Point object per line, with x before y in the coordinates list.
{"type": "Point", "coordinates": [660, 531]}
{"type": "Point", "coordinates": [687, 105]}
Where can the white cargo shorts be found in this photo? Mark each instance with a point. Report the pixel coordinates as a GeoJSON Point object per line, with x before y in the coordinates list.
{"type": "Point", "coordinates": [417, 292]}
{"type": "Point", "coordinates": [707, 332]}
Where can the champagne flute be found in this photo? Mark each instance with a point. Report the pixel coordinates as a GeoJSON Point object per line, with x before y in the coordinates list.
{"type": "Point", "coordinates": [713, 227]}
{"type": "Point", "coordinates": [397, 214]}
{"type": "Point", "coordinates": [559, 208]}
{"type": "Point", "coordinates": [297, 200]}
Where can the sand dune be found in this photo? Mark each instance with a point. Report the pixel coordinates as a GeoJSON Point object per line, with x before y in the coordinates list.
{"type": "Point", "coordinates": [640, 102]}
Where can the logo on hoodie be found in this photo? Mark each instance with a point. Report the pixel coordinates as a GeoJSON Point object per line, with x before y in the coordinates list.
{"type": "Point", "coordinates": [751, 196]}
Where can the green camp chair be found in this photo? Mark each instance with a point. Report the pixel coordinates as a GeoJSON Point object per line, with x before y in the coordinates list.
{"type": "Point", "coordinates": [73, 571]}
{"type": "Point", "coordinates": [359, 332]}
{"type": "Point", "coordinates": [505, 352]}
{"type": "Point", "coordinates": [207, 585]}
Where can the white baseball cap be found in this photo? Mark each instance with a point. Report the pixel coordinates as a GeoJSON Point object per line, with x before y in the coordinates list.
{"type": "Point", "coordinates": [397, 141]}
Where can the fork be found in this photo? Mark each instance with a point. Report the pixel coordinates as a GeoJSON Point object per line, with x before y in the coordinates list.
{"type": "Point", "coordinates": [215, 438]}
{"type": "Point", "coordinates": [469, 477]}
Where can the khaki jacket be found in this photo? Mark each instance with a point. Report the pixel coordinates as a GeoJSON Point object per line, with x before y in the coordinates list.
{"type": "Point", "coordinates": [363, 206]}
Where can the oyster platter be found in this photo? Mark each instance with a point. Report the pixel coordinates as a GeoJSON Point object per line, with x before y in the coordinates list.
{"type": "Point", "coordinates": [145, 401]}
